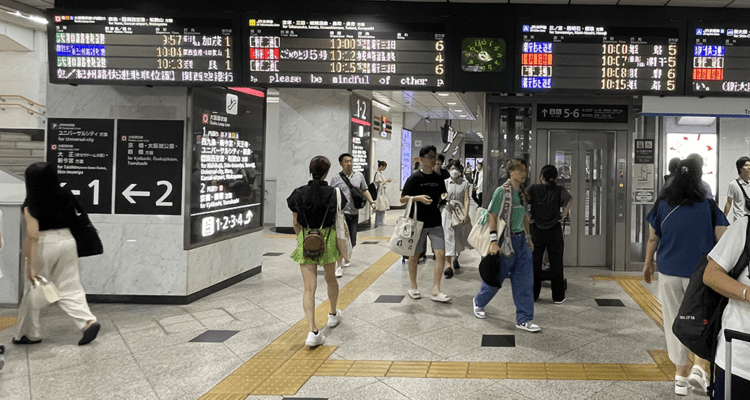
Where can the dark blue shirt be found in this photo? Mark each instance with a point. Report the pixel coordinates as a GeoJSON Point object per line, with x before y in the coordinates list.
{"type": "Point", "coordinates": [685, 235]}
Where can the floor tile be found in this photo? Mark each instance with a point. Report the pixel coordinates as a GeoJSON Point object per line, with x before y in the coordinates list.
{"type": "Point", "coordinates": [498, 341]}
{"type": "Point", "coordinates": [214, 336]}
{"type": "Point", "coordinates": [389, 299]}
{"type": "Point", "coordinates": [609, 303]}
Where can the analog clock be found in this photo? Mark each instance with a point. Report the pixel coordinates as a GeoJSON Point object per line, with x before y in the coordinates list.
{"type": "Point", "coordinates": [483, 55]}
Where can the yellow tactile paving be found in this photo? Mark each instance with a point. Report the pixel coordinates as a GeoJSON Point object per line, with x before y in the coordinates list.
{"type": "Point", "coordinates": [409, 369]}
{"type": "Point", "coordinates": [7, 322]}
{"type": "Point", "coordinates": [565, 371]}
{"type": "Point", "coordinates": [645, 299]}
{"type": "Point", "coordinates": [369, 368]}
{"type": "Point", "coordinates": [662, 360]}
{"type": "Point", "coordinates": [617, 277]}
{"type": "Point", "coordinates": [488, 370]}
{"type": "Point", "coordinates": [334, 368]}
{"type": "Point", "coordinates": [527, 371]}
{"type": "Point", "coordinates": [448, 369]}
{"type": "Point", "coordinates": [643, 372]}
{"type": "Point", "coordinates": [607, 372]}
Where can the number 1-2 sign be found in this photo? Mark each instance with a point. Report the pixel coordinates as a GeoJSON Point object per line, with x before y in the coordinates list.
{"type": "Point", "coordinates": [149, 167]}
{"type": "Point", "coordinates": [81, 149]}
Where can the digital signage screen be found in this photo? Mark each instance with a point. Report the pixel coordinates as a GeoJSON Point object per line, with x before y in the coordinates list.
{"type": "Point", "coordinates": [95, 47]}
{"type": "Point", "coordinates": [345, 52]}
{"type": "Point", "coordinates": [598, 58]}
{"type": "Point", "coordinates": [226, 178]}
{"type": "Point", "coordinates": [718, 59]}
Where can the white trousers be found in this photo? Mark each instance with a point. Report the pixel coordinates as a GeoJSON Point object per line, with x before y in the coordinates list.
{"type": "Point", "coordinates": [671, 292]}
{"type": "Point", "coordinates": [58, 261]}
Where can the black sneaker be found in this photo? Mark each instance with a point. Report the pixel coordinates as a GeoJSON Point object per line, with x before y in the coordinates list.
{"type": "Point", "coordinates": [456, 265]}
{"type": "Point", "coordinates": [448, 273]}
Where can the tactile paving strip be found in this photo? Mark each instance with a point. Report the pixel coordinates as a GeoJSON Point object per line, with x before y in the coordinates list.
{"type": "Point", "coordinates": [7, 322]}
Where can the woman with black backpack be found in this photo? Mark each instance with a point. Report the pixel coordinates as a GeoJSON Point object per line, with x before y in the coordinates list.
{"type": "Point", "coordinates": [314, 218]}
{"type": "Point", "coordinates": [685, 225]}
{"type": "Point", "coordinates": [546, 200]}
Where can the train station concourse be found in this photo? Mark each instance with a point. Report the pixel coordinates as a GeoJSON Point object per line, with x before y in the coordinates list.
{"type": "Point", "coordinates": [178, 147]}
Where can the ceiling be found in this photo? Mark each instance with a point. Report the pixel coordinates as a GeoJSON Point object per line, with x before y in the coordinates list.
{"type": "Point", "coordinates": [432, 105]}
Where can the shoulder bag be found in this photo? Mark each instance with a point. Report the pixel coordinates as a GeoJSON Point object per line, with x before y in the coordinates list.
{"type": "Point", "coordinates": [406, 235]}
{"type": "Point", "coordinates": [358, 198]}
{"type": "Point", "coordinates": [87, 238]}
{"type": "Point", "coordinates": [343, 242]}
{"type": "Point", "coordinates": [506, 244]}
{"type": "Point", "coordinates": [479, 237]}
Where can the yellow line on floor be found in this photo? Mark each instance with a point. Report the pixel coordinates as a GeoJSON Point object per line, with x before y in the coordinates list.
{"type": "Point", "coordinates": [284, 366]}
{"type": "Point", "coordinates": [7, 322]}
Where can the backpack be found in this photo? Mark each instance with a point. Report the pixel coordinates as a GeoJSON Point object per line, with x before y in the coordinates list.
{"type": "Point", "coordinates": [313, 242]}
{"type": "Point", "coordinates": [547, 207]}
{"type": "Point", "coordinates": [373, 189]}
{"type": "Point", "coordinates": [698, 321]}
{"type": "Point", "coordinates": [358, 198]}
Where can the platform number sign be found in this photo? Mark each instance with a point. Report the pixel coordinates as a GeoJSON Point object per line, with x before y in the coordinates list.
{"type": "Point", "coordinates": [149, 167]}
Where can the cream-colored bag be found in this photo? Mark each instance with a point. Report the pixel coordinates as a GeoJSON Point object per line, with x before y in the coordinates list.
{"type": "Point", "coordinates": [342, 235]}
{"type": "Point", "coordinates": [406, 235]}
{"type": "Point", "coordinates": [43, 292]}
{"type": "Point", "coordinates": [479, 237]}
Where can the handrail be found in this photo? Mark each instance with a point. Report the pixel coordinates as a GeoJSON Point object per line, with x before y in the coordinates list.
{"type": "Point", "coordinates": [30, 111]}
{"type": "Point", "coordinates": [18, 96]}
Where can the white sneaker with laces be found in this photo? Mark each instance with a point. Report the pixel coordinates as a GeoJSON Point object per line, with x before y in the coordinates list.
{"type": "Point", "coordinates": [315, 340]}
{"type": "Point", "coordinates": [339, 272]}
{"type": "Point", "coordinates": [334, 320]}
{"type": "Point", "coordinates": [698, 379]}
{"type": "Point", "coordinates": [528, 326]}
{"type": "Point", "coordinates": [478, 311]}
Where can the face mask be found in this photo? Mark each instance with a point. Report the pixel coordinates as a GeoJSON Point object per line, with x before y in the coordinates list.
{"type": "Point", "coordinates": [454, 173]}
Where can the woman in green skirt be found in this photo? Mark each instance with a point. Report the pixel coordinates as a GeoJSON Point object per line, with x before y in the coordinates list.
{"type": "Point", "coordinates": [314, 207]}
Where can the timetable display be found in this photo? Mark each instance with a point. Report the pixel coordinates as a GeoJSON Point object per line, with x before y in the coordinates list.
{"type": "Point", "coordinates": [602, 59]}
{"type": "Point", "coordinates": [91, 48]}
{"type": "Point", "coordinates": [719, 60]}
{"type": "Point", "coordinates": [345, 53]}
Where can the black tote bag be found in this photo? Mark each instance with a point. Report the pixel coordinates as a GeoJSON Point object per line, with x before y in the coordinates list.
{"type": "Point", "coordinates": [87, 238]}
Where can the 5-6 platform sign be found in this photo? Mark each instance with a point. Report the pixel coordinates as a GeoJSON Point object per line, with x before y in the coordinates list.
{"type": "Point", "coordinates": [149, 167]}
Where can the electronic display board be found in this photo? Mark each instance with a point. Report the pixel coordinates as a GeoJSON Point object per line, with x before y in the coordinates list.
{"type": "Point", "coordinates": [95, 47]}
{"type": "Point", "coordinates": [718, 60]}
{"type": "Point", "coordinates": [345, 52]}
{"type": "Point", "coordinates": [599, 58]}
{"type": "Point", "coordinates": [226, 180]}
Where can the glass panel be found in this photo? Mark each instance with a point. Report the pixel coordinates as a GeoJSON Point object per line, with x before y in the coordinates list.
{"type": "Point", "coordinates": [563, 162]}
{"type": "Point", "coordinates": [593, 193]}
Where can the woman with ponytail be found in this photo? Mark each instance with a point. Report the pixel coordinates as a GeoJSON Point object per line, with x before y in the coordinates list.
{"type": "Point", "coordinates": [546, 199]}
{"type": "Point", "coordinates": [685, 225]}
{"type": "Point", "coordinates": [314, 207]}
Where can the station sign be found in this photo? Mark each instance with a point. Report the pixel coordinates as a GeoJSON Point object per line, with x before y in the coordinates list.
{"type": "Point", "coordinates": [601, 113]}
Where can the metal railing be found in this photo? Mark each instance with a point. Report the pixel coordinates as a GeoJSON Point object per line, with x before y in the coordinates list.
{"type": "Point", "coordinates": [31, 111]}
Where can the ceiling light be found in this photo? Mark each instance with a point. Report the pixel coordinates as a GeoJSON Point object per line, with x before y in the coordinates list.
{"type": "Point", "coordinates": [458, 111]}
{"type": "Point", "coordinates": [32, 18]}
{"type": "Point", "coordinates": [462, 115]}
{"type": "Point", "coordinates": [451, 103]}
{"type": "Point", "coordinates": [381, 105]}
{"type": "Point", "coordinates": [444, 94]}
{"type": "Point", "coordinates": [696, 121]}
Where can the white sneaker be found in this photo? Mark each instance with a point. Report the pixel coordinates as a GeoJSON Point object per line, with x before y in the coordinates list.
{"type": "Point", "coordinates": [680, 385]}
{"type": "Point", "coordinates": [339, 272]}
{"type": "Point", "coordinates": [315, 340]}
{"type": "Point", "coordinates": [698, 380]}
{"type": "Point", "coordinates": [528, 326]}
{"type": "Point", "coordinates": [347, 263]}
{"type": "Point", "coordinates": [334, 320]}
{"type": "Point", "coordinates": [478, 311]}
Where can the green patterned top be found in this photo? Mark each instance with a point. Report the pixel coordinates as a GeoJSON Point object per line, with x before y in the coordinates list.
{"type": "Point", "coordinates": [518, 210]}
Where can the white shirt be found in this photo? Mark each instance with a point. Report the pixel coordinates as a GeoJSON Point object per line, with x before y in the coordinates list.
{"type": "Point", "coordinates": [737, 314]}
{"type": "Point", "coordinates": [1, 238]}
{"type": "Point", "coordinates": [478, 182]}
{"type": "Point", "coordinates": [738, 199]}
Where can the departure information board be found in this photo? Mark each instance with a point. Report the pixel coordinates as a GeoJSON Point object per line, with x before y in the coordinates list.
{"type": "Point", "coordinates": [337, 52]}
{"type": "Point", "coordinates": [720, 56]}
{"type": "Point", "coordinates": [600, 59]}
{"type": "Point", "coordinates": [94, 48]}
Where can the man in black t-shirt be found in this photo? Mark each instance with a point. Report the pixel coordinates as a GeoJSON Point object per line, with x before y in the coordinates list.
{"type": "Point", "coordinates": [427, 189]}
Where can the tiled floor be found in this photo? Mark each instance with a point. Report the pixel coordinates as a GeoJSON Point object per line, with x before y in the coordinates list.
{"type": "Point", "coordinates": [149, 352]}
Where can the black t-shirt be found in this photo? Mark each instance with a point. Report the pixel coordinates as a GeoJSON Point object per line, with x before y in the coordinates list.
{"type": "Point", "coordinates": [546, 203]}
{"type": "Point", "coordinates": [310, 211]}
{"type": "Point", "coordinates": [432, 185]}
{"type": "Point", "coordinates": [56, 212]}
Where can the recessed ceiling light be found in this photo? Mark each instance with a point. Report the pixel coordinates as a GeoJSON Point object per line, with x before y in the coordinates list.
{"type": "Point", "coordinates": [458, 110]}
{"type": "Point", "coordinates": [444, 94]}
{"type": "Point", "coordinates": [462, 115]}
{"type": "Point", "coordinates": [451, 103]}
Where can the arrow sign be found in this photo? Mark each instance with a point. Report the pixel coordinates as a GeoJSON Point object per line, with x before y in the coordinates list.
{"type": "Point", "coordinates": [129, 193]}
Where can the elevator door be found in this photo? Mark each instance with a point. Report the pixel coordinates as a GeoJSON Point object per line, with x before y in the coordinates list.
{"type": "Point", "coordinates": [581, 159]}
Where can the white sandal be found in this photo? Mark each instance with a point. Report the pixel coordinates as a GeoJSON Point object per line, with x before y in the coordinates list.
{"type": "Point", "coordinates": [441, 297]}
{"type": "Point", "coordinates": [698, 379]}
{"type": "Point", "coordinates": [414, 294]}
{"type": "Point", "coordinates": [681, 385]}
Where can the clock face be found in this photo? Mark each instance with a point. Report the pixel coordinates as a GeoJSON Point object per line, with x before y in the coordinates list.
{"type": "Point", "coordinates": [483, 55]}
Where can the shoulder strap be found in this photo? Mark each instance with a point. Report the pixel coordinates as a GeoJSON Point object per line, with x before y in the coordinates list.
{"type": "Point", "coordinates": [741, 188]}
{"type": "Point", "coordinates": [346, 179]}
{"type": "Point", "coordinates": [742, 263]}
{"type": "Point", "coordinates": [712, 204]}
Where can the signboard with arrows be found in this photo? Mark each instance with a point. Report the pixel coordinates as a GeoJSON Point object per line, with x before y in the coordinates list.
{"type": "Point", "coordinates": [81, 149]}
{"type": "Point", "coordinates": [149, 167]}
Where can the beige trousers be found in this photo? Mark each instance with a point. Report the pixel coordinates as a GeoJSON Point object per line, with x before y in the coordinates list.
{"type": "Point", "coordinates": [58, 259]}
{"type": "Point", "coordinates": [671, 292]}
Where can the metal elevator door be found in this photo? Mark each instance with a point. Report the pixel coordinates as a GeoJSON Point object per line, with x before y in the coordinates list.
{"type": "Point", "coordinates": [581, 159]}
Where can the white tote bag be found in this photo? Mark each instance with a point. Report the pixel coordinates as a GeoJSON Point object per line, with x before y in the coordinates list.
{"type": "Point", "coordinates": [342, 237]}
{"type": "Point", "coordinates": [406, 235]}
{"type": "Point", "coordinates": [42, 292]}
{"type": "Point", "coordinates": [479, 237]}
